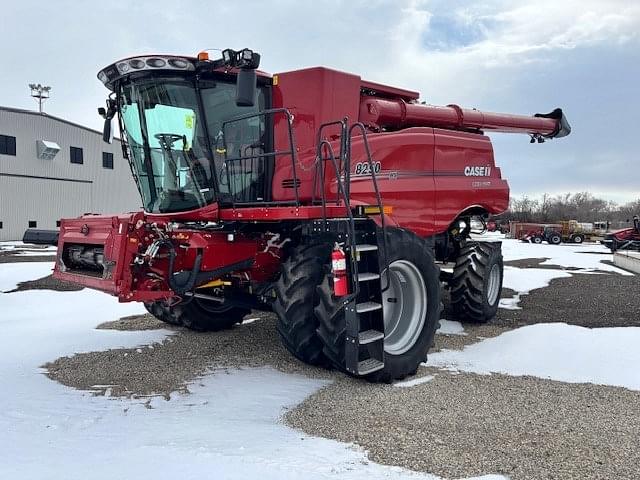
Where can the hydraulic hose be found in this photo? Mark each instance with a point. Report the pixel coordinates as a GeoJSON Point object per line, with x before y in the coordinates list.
{"type": "Point", "coordinates": [181, 287]}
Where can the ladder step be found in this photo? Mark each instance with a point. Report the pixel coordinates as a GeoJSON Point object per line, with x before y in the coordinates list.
{"type": "Point", "coordinates": [366, 247]}
{"type": "Point", "coordinates": [369, 365]}
{"type": "Point", "coordinates": [370, 336]}
{"type": "Point", "coordinates": [367, 307]}
{"type": "Point", "coordinates": [365, 277]}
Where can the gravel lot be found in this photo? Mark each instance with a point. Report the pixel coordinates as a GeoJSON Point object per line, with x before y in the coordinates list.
{"type": "Point", "coordinates": [455, 425]}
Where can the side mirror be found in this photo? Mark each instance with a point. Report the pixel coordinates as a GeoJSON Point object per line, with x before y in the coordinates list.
{"type": "Point", "coordinates": [107, 132]}
{"type": "Point", "coordinates": [246, 88]}
{"type": "Point", "coordinates": [108, 114]}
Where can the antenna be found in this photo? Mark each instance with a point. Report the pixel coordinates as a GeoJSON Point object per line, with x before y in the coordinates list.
{"type": "Point", "coordinates": [40, 93]}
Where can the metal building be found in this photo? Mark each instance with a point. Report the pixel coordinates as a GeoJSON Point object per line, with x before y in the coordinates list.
{"type": "Point", "coordinates": [51, 168]}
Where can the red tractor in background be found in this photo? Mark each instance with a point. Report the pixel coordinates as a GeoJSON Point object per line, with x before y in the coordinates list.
{"type": "Point", "coordinates": [313, 193]}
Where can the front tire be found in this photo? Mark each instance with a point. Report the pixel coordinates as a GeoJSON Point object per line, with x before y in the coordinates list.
{"type": "Point", "coordinates": [578, 239]}
{"type": "Point", "coordinates": [476, 283]}
{"type": "Point", "coordinates": [408, 337]}
{"type": "Point", "coordinates": [296, 298]}
{"type": "Point", "coordinates": [198, 314]}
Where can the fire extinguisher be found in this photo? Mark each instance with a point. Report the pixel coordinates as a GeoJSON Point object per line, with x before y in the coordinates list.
{"type": "Point", "coordinates": [339, 270]}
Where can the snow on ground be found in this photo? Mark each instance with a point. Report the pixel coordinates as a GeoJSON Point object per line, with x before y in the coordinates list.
{"type": "Point", "coordinates": [13, 273]}
{"type": "Point", "coordinates": [414, 381]}
{"type": "Point", "coordinates": [557, 351]}
{"type": "Point", "coordinates": [587, 256]}
{"type": "Point", "coordinates": [36, 253]}
{"type": "Point", "coordinates": [523, 280]}
{"type": "Point", "coordinates": [227, 427]}
{"type": "Point", "coordinates": [4, 246]}
{"type": "Point", "coordinates": [450, 327]}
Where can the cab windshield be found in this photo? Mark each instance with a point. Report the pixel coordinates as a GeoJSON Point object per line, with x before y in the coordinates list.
{"type": "Point", "coordinates": [178, 144]}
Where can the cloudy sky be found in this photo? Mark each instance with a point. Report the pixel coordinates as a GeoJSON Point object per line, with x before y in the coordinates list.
{"type": "Point", "coordinates": [513, 56]}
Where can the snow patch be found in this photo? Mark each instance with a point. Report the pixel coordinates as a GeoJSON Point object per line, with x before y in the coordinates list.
{"type": "Point", "coordinates": [556, 351]}
{"type": "Point", "coordinates": [450, 327]}
{"type": "Point", "coordinates": [523, 280]}
{"type": "Point", "coordinates": [11, 274]}
{"type": "Point", "coordinates": [586, 256]}
{"type": "Point", "coordinates": [413, 382]}
{"type": "Point", "coordinates": [35, 253]}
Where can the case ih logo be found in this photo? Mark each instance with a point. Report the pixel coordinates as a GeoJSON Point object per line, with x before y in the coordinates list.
{"type": "Point", "coordinates": [477, 171]}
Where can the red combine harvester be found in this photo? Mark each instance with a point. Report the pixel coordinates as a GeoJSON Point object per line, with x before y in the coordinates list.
{"type": "Point", "coordinates": [625, 239]}
{"type": "Point", "coordinates": [313, 193]}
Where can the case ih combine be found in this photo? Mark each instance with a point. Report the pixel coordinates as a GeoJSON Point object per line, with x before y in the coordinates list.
{"type": "Point", "coordinates": [313, 193]}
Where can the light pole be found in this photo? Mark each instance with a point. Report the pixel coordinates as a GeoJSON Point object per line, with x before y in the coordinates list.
{"type": "Point", "coordinates": [40, 93]}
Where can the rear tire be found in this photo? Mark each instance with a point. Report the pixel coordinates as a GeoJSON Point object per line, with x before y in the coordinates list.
{"type": "Point", "coordinates": [198, 314]}
{"type": "Point", "coordinates": [406, 250]}
{"type": "Point", "coordinates": [476, 283]}
{"type": "Point", "coordinates": [578, 239]}
{"type": "Point", "coordinates": [537, 240]}
{"type": "Point", "coordinates": [296, 298]}
{"type": "Point", "coordinates": [555, 239]}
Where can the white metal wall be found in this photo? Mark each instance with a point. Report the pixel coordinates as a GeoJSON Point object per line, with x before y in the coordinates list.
{"type": "Point", "coordinates": [70, 189]}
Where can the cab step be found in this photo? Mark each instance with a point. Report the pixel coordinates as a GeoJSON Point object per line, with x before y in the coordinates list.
{"type": "Point", "coordinates": [368, 276]}
{"type": "Point", "coordinates": [369, 365]}
{"type": "Point", "coordinates": [370, 336]}
{"type": "Point", "coordinates": [365, 307]}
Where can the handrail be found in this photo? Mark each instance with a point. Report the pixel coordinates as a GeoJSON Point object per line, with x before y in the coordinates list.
{"type": "Point", "coordinates": [292, 151]}
{"type": "Point", "coordinates": [352, 228]}
{"type": "Point", "coordinates": [363, 131]}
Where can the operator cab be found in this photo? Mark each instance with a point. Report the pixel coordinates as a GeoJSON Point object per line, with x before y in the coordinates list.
{"type": "Point", "coordinates": [183, 120]}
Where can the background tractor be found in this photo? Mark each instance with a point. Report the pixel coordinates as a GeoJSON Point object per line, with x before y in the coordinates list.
{"type": "Point", "coordinates": [313, 193]}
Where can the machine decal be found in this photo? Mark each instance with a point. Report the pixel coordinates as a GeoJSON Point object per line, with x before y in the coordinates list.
{"type": "Point", "coordinates": [475, 171]}
{"type": "Point", "coordinates": [363, 168]}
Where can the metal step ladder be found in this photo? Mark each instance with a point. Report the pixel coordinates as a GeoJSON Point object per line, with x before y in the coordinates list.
{"type": "Point", "coordinates": [364, 311]}
{"type": "Point", "coordinates": [364, 341]}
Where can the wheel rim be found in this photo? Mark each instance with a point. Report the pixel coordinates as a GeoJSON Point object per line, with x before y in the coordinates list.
{"type": "Point", "coordinates": [405, 307]}
{"type": "Point", "coordinates": [493, 286]}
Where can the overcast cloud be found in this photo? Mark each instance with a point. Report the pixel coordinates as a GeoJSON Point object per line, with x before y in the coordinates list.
{"type": "Point", "coordinates": [514, 56]}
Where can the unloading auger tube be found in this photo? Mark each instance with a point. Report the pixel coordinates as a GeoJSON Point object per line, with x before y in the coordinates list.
{"type": "Point", "coordinates": [397, 113]}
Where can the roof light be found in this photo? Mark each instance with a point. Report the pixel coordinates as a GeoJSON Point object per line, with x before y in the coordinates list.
{"type": "Point", "coordinates": [156, 62]}
{"type": "Point", "coordinates": [228, 56]}
{"type": "Point", "coordinates": [136, 63]}
{"type": "Point", "coordinates": [119, 69]}
{"type": "Point", "coordinates": [178, 63]}
{"type": "Point", "coordinates": [203, 56]}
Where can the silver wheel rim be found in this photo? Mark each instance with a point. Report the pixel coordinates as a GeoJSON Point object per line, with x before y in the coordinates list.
{"type": "Point", "coordinates": [493, 286]}
{"type": "Point", "coordinates": [405, 307]}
